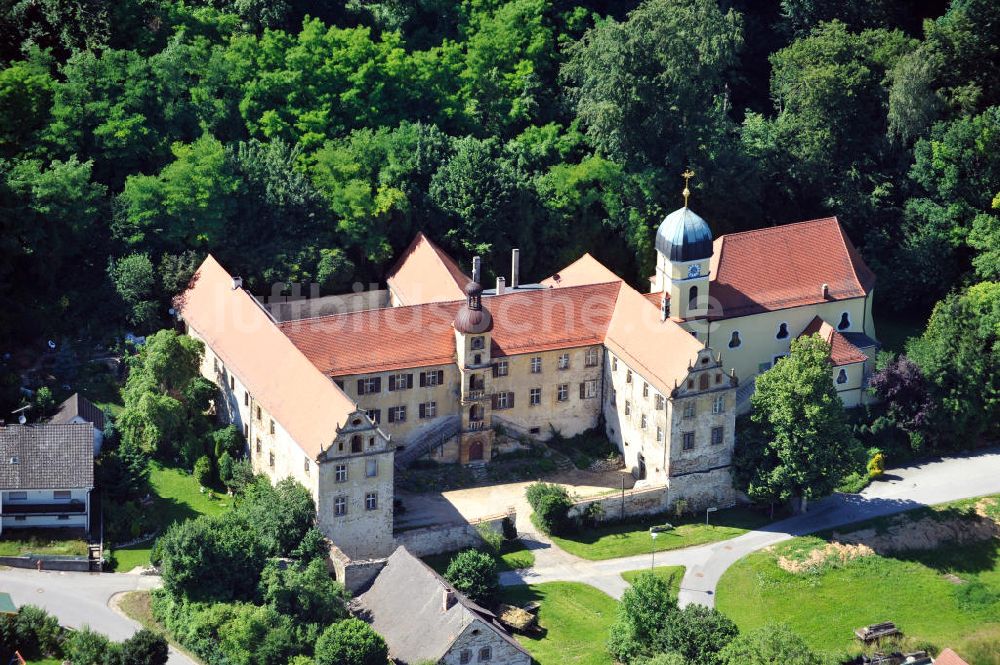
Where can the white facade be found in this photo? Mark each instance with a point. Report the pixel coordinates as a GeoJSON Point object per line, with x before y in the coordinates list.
{"type": "Point", "coordinates": [56, 508]}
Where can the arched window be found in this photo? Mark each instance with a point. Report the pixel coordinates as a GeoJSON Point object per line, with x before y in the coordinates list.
{"type": "Point", "coordinates": [782, 331]}
{"type": "Point", "coordinates": [476, 412]}
{"type": "Point", "coordinates": [692, 297]}
{"type": "Point", "coordinates": [735, 341]}
{"type": "Point", "coordinates": [842, 376]}
{"type": "Point", "coordinates": [703, 382]}
{"type": "Point", "coordinates": [845, 321]}
{"type": "Point", "coordinates": [355, 444]}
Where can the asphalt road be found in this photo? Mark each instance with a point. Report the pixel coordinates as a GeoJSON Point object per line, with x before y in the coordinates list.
{"type": "Point", "coordinates": [927, 483]}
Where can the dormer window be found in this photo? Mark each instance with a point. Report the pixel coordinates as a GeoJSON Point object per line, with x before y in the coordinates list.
{"type": "Point", "coordinates": [735, 342]}
{"type": "Point", "coordinates": [782, 331]}
{"type": "Point", "coordinates": [845, 321]}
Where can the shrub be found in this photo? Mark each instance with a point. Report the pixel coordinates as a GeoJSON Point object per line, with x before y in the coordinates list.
{"type": "Point", "coordinates": [772, 643]}
{"type": "Point", "coordinates": [144, 648]}
{"type": "Point", "coordinates": [31, 631]}
{"type": "Point", "coordinates": [351, 642]}
{"type": "Point", "coordinates": [876, 465]}
{"type": "Point", "coordinates": [226, 464]}
{"type": "Point", "coordinates": [306, 593]}
{"type": "Point", "coordinates": [85, 647]}
{"type": "Point", "coordinates": [314, 545]}
{"type": "Point", "coordinates": [551, 504]}
{"type": "Point", "coordinates": [646, 606]}
{"type": "Point", "coordinates": [203, 471]}
{"type": "Point", "coordinates": [696, 632]}
{"type": "Point", "coordinates": [492, 539]}
{"type": "Point", "coordinates": [474, 573]}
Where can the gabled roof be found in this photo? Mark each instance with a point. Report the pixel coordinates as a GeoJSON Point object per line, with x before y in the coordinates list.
{"type": "Point", "coordinates": [406, 606]}
{"type": "Point", "coordinates": [307, 404]}
{"type": "Point", "coordinates": [78, 405]}
{"type": "Point", "coordinates": [842, 351]}
{"type": "Point", "coordinates": [585, 270]}
{"type": "Point", "coordinates": [426, 274]}
{"type": "Point", "coordinates": [47, 456]}
{"type": "Point", "coordinates": [786, 266]}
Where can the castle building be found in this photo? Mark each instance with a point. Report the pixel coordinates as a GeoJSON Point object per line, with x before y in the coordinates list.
{"type": "Point", "coordinates": [340, 401]}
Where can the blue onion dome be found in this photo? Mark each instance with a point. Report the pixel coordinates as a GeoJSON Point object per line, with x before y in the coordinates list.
{"type": "Point", "coordinates": [684, 236]}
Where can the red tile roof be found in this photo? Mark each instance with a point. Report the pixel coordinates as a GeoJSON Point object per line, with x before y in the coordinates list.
{"type": "Point", "coordinates": [394, 338]}
{"type": "Point", "coordinates": [425, 273]}
{"type": "Point", "coordinates": [786, 266]}
{"type": "Point", "coordinates": [842, 351]}
{"type": "Point", "coordinates": [949, 657]}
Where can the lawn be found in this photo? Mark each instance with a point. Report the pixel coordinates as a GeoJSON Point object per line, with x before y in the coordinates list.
{"type": "Point", "coordinates": [513, 556]}
{"type": "Point", "coordinates": [575, 618]}
{"type": "Point", "coordinates": [177, 496]}
{"type": "Point", "coordinates": [672, 575]}
{"type": "Point", "coordinates": [949, 596]}
{"type": "Point", "coordinates": [629, 538]}
{"type": "Point", "coordinates": [68, 542]}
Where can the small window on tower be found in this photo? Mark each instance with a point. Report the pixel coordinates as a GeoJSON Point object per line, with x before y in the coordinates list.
{"type": "Point", "coordinates": [842, 376]}
{"type": "Point", "coordinates": [735, 341]}
{"type": "Point", "coordinates": [693, 297]}
{"type": "Point", "coordinates": [845, 321]}
{"type": "Point", "coordinates": [782, 331]}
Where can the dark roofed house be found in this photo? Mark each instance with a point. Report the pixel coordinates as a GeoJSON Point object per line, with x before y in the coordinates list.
{"type": "Point", "coordinates": [423, 618]}
{"type": "Point", "coordinates": [46, 475]}
{"type": "Point", "coordinates": [79, 409]}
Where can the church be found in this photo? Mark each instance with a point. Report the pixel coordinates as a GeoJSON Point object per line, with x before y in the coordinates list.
{"type": "Point", "coordinates": [436, 365]}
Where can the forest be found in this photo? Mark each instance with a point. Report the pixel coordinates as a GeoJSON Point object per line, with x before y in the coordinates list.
{"type": "Point", "coordinates": [308, 142]}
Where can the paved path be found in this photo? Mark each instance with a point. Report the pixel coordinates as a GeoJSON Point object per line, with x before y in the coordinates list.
{"type": "Point", "coordinates": [926, 483]}
{"type": "Point", "coordinates": [81, 599]}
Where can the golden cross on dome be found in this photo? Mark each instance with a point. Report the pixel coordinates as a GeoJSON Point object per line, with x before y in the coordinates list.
{"type": "Point", "coordinates": [687, 175]}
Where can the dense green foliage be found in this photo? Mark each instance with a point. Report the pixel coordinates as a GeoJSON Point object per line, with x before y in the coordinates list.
{"type": "Point", "coordinates": [772, 643]}
{"type": "Point", "coordinates": [351, 642]}
{"type": "Point", "coordinates": [304, 142]}
{"type": "Point", "coordinates": [474, 573]}
{"type": "Point", "coordinates": [550, 504]}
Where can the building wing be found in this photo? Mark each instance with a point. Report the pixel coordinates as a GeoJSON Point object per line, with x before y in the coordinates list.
{"type": "Point", "coordinates": [426, 274]}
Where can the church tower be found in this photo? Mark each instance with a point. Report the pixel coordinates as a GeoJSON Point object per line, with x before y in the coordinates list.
{"type": "Point", "coordinates": [473, 327]}
{"type": "Point", "coordinates": [683, 259]}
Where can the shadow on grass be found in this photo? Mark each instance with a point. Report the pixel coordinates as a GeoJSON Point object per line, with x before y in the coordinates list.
{"type": "Point", "coordinates": [736, 518]}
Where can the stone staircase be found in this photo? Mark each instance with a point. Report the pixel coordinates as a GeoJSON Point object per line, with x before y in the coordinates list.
{"type": "Point", "coordinates": [478, 470]}
{"type": "Point", "coordinates": [423, 441]}
{"type": "Point", "coordinates": [743, 394]}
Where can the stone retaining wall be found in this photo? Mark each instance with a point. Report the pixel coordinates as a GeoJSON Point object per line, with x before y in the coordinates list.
{"type": "Point", "coordinates": [449, 537]}
{"type": "Point", "coordinates": [78, 564]}
{"type": "Point", "coordinates": [618, 506]}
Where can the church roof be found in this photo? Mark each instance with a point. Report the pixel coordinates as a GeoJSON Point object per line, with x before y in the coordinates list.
{"type": "Point", "coordinates": [307, 404]}
{"type": "Point", "coordinates": [786, 266]}
{"type": "Point", "coordinates": [684, 236]}
{"type": "Point", "coordinates": [842, 350]}
{"type": "Point", "coordinates": [425, 273]}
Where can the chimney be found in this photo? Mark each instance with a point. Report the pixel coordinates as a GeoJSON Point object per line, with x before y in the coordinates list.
{"type": "Point", "coordinates": [515, 268]}
{"type": "Point", "coordinates": [476, 269]}
{"type": "Point", "coordinates": [826, 291]}
{"type": "Point", "coordinates": [448, 599]}
{"type": "Point", "coordinates": [237, 282]}
{"type": "Point", "coordinates": [501, 286]}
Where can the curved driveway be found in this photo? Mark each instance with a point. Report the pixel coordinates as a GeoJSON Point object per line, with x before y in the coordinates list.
{"type": "Point", "coordinates": [926, 483]}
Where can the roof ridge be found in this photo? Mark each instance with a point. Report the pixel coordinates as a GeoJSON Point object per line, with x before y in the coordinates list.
{"type": "Point", "coordinates": [772, 229]}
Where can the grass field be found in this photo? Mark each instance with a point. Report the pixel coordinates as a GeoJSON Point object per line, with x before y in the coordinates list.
{"type": "Point", "coordinates": [43, 541]}
{"type": "Point", "coordinates": [672, 575]}
{"type": "Point", "coordinates": [177, 496]}
{"type": "Point", "coordinates": [949, 596]}
{"type": "Point", "coordinates": [629, 538]}
{"type": "Point", "coordinates": [513, 555]}
{"type": "Point", "coordinates": [575, 618]}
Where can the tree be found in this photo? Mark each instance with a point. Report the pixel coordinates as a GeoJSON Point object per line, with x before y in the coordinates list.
{"type": "Point", "coordinates": [314, 545]}
{"type": "Point", "coordinates": [771, 644]}
{"type": "Point", "coordinates": [696, 632]}
{"type": "Point", "coordinates": [203, 471]}
{"type": "Point", "coordinates": [550, 504]}
{"type": "Point", "coordinates": [86, 647]}
{"type": "Point", "coordinates": [474, 573]}
{"type": "Point", "coordinates": [134, 280]}
{"type": "Point", "coordinates": [26, 91]}
{"type": "Point", "coordinates": [351, 642]}
{"type": "Point", "coordinates": [144, 648]}
{"type": "Point", "coordinates": [304, 591]}
{"type": "Point", "coordinates": [645, 607]}
{"type": "Point", "coordinates": [807, 445]}
{"type": "Point", "coordinates": [905, 396]}
{"type": "Point", "coordinates": [281, 514]}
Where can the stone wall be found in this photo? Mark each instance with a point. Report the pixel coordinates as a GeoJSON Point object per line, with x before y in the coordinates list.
{"type": "Point", "coordinates": [355, 574]}
{"type": "Point", "coordinates": [703, 489]}
{"type": "Point", "coordinates": [636, 502]}
{"type": "Point", "coordinates": [73, 563]}
{"type": "Point", "coordinates": [449, 537]}
{"type": "Point", "coordinates": [478, 636]}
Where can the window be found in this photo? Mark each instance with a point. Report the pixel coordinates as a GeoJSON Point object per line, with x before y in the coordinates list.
{"type": "Point", "coordinates": [562, 392]}
{"type": "Point", "coordinates": [588, 389]}
{"type": "Point", "coordinates": [232, 383]}
{"type": "Point", "coordinates": [782, 331]}
{"type": "Point", "coordinates": [845, 321]}
{"type": "Point", "coordinates": [716, 436]}
{"type": "Point", "coordinates": [614, 396]}
{"type": "Point", "coordinates": [371, 467]}
{"type": "Point", "coordinates": [658, 401]}
{"type": "Point", "coordinates": [397, 414]}
{"type": "Point", "coordinates": [703, 382]}
{"type": "Point", "coordinates": [371, 442]}
{"type": "Point", "coordinates": [763, 367]}
{"type": "Point", "coordinates": [591, 358]}
{"type": "Point", "coordinates": [20, 518]}
{"type": "Point", "coordinates": [305, 465]}
{"type": "Point", "coordinates": [614, 364]}
{"type": "Point", "coordinates": [465, 657]}
{"type": "Point", "coordinates": [246, 398]}
{"type": "Point", "coordinates": [62, 517]}
{"type": "Point", "coordinates": [339, 383]}
{"type": "Point", "coordinates": [17, 496]}
{"type": "Point", "coordinates": [258, 413]}
{"type": "Point", "coordinates": [432, 378]}
{"type": "Point", "coordinates": [61, 495]}
{"type": "Point", "coordinates": [270, 459]}
{"type": "Point", "coordinates": [356, 444]}
{"type": "Point", "coordinates": [628, 408]}
{"type": "Point", "coordinates": [428, 410]}
{"type": "Point", "coordinates": [659, 434]}
{"type": "Point", "coordinates": [719, 404]}
{"type": "Point", "coordinates": [400, 381]}
{"type": "Point", "coordinates": [478, 343]}
{"type": "Point", "coordinates": [564, 361]}
{"type": "Point", "coordinates": [693, 297]}
{"type": "Point", "coordinates": [642, 421]}
{"type": "Point", "coordinates": [340, 506]}
{"type": "Point", "coordinates": [246, 431]}
{"type": "Point", "coordinates": [690, 408]}
{"type": "Point", "coordinates": [842, 376]}
{"type": "Point", "coordinates": [735, 341]}
{"type": "Point", "coordinates": [371, 501]}
{"type": "Point", "coordinates": [257, 445]}
{"type": "Point", "coordinates": [535, 396]}
{"type": "Point", "coordinates": [536, 365]}
{"type": "Point", "coordinates": [375, 415]}
{"type": "Point", "coordinates": [272, 425]}
{"type": "Point", "coordinates": [534, 430]}
{"type": "Point", "coordinates": [477, 359]}
{"type": "Point", "coordinates": [485, 654]}
{"type": "Point", "coordinates": [628, 376]}
{"type": "Point", "coordinates": [503, 400]}
{"type": "Point", "coordinates": [502, 368]}
{"type": "Point", "coordinates": [645, 389]}
{"type": "Point", "coordinates": [688, 443]}
{"type": "Point", "coordinates": [370, 385]}
{"type": "Point", "coordinates": [341, 473]}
